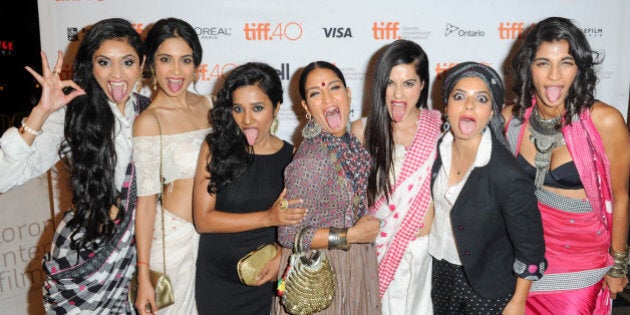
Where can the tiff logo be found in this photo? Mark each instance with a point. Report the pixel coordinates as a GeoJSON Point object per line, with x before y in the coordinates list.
{"type": "Point", "coordinates": [510, 30]}
{"type": "Point", "coordinates": [440, 67]}
{"type": "Point", "coordinates": [389, 30]}
{"type": "Point", "coordinates": [258, 31]}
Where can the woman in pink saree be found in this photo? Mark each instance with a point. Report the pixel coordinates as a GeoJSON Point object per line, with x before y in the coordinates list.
{"type": "Point", "coordinates": [575, 148]}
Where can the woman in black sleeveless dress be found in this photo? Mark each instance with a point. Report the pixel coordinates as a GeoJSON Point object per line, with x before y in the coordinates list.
{"type": "Point", "coordinates": [238, 194]}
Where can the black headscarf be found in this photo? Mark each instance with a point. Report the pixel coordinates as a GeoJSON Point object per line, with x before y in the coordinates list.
{"type": "Point", "coordinates": [494, 82]}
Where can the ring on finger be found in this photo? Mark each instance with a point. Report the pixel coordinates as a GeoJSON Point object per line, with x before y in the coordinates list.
{"type": "Point", "coordinates": [284, 204]}
{"type": "Point", "coordinates": [55, 72]}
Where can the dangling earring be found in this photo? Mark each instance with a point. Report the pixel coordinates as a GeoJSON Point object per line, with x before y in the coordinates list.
{"type": "Point", "coordinates": [139, 84]}
{"type": "Point", "coordinates": [311, 129]}
{"type": "Point", "coordinates": [446, 125]}
{"type": "Point", "coordinates": [274, 126]}
{"type": "Point", "coordinates": [194, 78]}
{"type": "Point", "coordinates": [155, 83]}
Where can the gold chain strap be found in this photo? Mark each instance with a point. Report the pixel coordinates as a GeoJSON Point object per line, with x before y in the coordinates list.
{"type": "Point", "coordinates": [161, 197]}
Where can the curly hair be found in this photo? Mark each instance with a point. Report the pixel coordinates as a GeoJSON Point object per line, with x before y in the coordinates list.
{"type": "Point", "coordinates": [552, 29]}
{"type": "Point", "coordinates": [88, 149]}
{"type": "Point", "coordinates": [229, 148]}
{"type": "Point", "coordinates": [379, 140]}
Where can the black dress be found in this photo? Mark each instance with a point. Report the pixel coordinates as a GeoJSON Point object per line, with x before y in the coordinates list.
{"type": "Point", "coordinates": [217, 286]}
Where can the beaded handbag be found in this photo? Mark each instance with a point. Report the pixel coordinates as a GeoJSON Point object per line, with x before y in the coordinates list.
{"type": "Point", "coordinates": [309, 281]}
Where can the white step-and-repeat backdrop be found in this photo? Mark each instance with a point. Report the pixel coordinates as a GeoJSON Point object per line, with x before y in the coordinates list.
{"type": "Point", "coordinates": [289, 34]}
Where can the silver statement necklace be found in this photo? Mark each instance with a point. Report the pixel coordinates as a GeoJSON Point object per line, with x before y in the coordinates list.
{"type": "Point", "coordinates": [545, 137]}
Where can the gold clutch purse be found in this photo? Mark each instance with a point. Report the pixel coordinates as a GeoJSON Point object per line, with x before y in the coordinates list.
{"type": "Point", "coordinates": [251, 264]}
{"type": "Point", "coordinates": [163, 289]}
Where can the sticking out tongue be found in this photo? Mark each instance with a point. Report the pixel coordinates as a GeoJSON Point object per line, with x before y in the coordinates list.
{"type": "Point", "coordinates": [333, 118]}
{"type": "Point", "coordinates": [398, 112]}
{"type": "Point", "coordinates": [176, 85]}
{"type": "Point", "coordinates": [467, 126]}
{"type": "Point", "coordinates": [553, 93]}
{"type": "Point", "coordinates": [117, 91]}
{"type": "Point", "coordinates": [251, 134]}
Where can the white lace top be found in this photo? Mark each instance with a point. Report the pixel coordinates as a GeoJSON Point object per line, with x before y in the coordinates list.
{"type": "Point", "coordinates": [180, 154]}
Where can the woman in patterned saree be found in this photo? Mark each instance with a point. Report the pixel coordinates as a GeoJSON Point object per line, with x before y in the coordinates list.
{"type": "Point", "coordinates": [329, 172]}
{"type": "Point", "coordinates": [93, 257]}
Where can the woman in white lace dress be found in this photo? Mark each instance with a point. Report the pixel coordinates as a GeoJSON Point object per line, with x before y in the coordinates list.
{"type": "Point", "coordinates": [167, 139]}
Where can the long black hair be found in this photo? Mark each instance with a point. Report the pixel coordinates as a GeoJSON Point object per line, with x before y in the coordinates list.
{"type": "Point", "coordinates": [549, 30]}
{"type": "Point", "coordinates": [88, 149]}
{"type": "Point", "coordinates": [379, 140]}
{"type": "Point", "coordinates": [229, 148]}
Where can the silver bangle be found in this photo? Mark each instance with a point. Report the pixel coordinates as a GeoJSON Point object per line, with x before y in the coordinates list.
{"type": "Point", "coordinates": [338, 238]}
{"type": "Point", "coordinates": [30, 130]}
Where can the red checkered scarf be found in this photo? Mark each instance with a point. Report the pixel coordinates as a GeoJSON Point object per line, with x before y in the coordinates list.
{"type": "Point", "coordinates": [409, 199]}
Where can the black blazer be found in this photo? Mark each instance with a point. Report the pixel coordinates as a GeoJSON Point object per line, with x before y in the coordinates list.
{"type": "Point", "coordinates": [496, 220]}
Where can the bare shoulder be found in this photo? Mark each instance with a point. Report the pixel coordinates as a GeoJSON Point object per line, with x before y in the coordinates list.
{"type": "Point", "coordinates": [145, 124]}
{"type": "Point", "coordinates": [357, 129]}
{"type": "Point", "coordinates": [607, 118]}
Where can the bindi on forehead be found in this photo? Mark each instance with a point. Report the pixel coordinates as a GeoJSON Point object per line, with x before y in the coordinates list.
{"type": "Point", "coordinates": [323, 83]}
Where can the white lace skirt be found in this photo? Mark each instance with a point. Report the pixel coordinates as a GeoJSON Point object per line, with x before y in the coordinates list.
{"type": "Point", "coordinates": [182, 242]}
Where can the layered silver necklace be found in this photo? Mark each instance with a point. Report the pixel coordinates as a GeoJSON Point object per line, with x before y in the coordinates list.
{"type": "Point", "coordinates": [545, 136]}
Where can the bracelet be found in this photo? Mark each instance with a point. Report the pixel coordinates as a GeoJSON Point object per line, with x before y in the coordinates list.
{"type": "Point", "coordinates": [619, 255]}
{"type": "Point", "coordinates": [338, 238]}
{"type": "Point", "coordinates": [142, 263]}
{"type": "Point", "coordinates": [30, 130]}
{"type": "Point", "coordinates": [620, 268]}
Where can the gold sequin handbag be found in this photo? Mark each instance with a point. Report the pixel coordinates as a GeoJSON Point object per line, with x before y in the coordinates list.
{"type": "Point", "coordinates": [309, 282]}
{"type": "Point", "coordinates": [160, 281]}
{"type": "Point", "coordinates": [251, 264]}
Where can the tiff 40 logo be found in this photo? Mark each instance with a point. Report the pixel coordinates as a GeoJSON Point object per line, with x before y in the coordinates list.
{"type": "Point", "coordinates": [266, 31]}
{"type": "Point", "coordinates": [208, 72]}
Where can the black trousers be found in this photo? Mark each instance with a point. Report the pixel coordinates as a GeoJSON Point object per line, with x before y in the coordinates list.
{"type": "Point", "coordinates": [451, 294]}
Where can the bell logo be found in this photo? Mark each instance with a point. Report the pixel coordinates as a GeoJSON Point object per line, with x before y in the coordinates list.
{"type": "Point", "coordinates": [264, 31]}
{"type": "Point", "coordinates": [386, 30]}
{"type": "Point", "coordinates": [284, 73]}
{"type": "Point", "coordinates": [337, 32]}
{"type": "Point", "coordinates": [510, 30]}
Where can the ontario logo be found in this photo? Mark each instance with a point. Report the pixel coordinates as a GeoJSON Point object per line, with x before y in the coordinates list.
{"type": "Point", "coordinates": [213, 32]}
{"type": "Point", "coordinates": [450, 29]}
{"type": "Point", "coordinates": [291, 31]}
{"type": "Point", "coordinates": [386, 30]}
